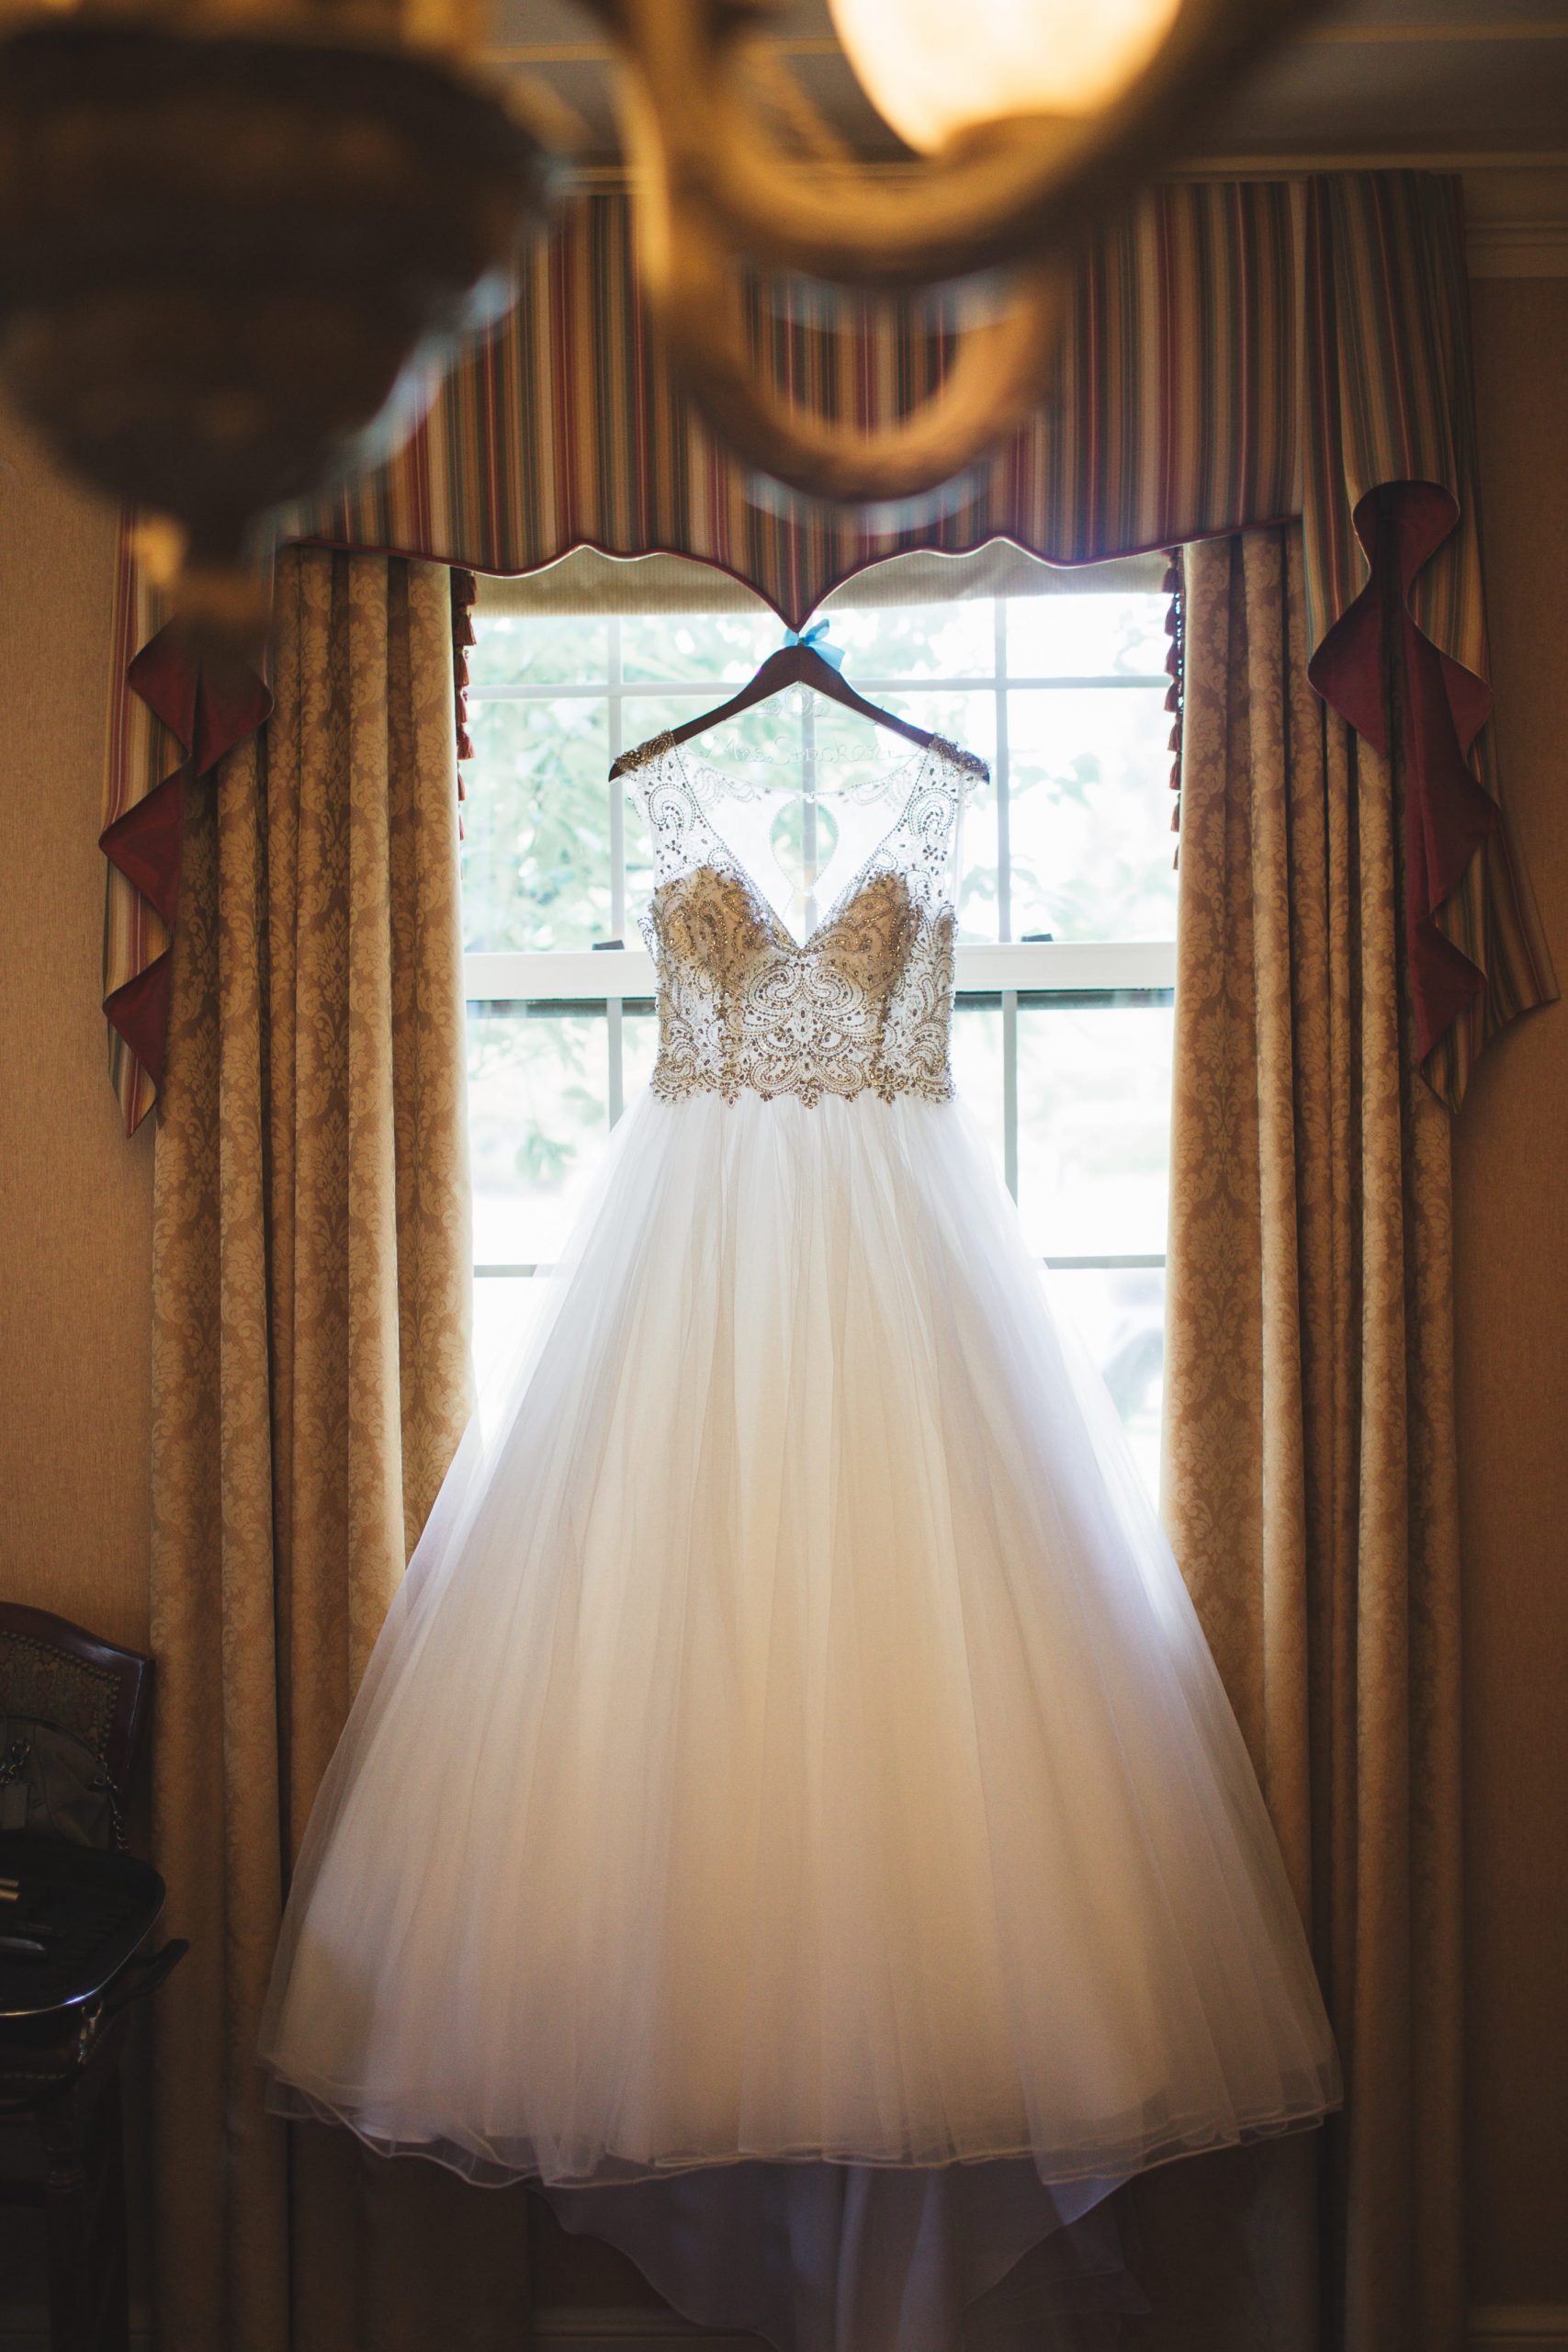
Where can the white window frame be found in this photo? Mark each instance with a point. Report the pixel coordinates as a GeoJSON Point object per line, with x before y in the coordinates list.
{"type": "Point", "coordinates": [1008, 972]}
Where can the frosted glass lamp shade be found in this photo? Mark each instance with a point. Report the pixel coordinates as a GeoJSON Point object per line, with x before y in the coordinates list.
{"type": "Point", "coordinates": [933, 68]}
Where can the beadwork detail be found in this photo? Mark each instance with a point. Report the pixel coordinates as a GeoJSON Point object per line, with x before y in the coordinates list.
{"type": "Point", "coordinates": [865, 1004]}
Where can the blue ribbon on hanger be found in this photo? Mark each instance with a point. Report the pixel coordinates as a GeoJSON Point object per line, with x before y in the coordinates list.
{"type": "Point", "coordinates": [816, 638]}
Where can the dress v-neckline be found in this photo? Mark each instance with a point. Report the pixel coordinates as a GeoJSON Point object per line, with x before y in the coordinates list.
{"type": "Point", "coordinates": [936, 749]}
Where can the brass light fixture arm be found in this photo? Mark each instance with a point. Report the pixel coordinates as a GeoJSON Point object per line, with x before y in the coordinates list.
{"type": "Point", "coordinates": [994, 382]}
{"type": "Point", "coordinates": [1014, 203]}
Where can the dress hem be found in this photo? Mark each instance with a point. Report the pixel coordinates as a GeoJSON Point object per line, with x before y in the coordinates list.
{"type": "Point", "coordinates": [291, 2102]}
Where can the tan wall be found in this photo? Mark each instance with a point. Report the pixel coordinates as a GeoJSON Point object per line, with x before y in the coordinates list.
{"type": "Point", "coordinates": [75, 1235]}
{"type": "Point", "coordinates": [75, 1198]}
{"type": "Point", "coordinates": [1511, 1180]}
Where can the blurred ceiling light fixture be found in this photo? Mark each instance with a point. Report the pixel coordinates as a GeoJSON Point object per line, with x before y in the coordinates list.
{"type": "Point", "coordinates": [236, 239]}
{"type": "Point", "coordinates": [237, 236]}
{"type": "Point", "coordinates": [933, 71]}
{"type": "Point", "coordinates": [1039, 117]}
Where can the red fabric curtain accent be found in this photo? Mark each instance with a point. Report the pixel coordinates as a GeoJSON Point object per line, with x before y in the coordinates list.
{"type": "Point", "coordinates": [1447, 810]}
{"type": "Point", "coordinates": [208, 707]}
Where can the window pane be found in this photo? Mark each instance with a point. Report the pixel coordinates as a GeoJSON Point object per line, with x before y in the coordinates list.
{"type": "Point", "coordinates": [539, 1083]}
{"type": "Point", "coordinates": [957, 641]}
{"type": "Point", "coordinates": [966, 716]}
{"type": "Point", "coordinates": [979, 867]}
{"type": "Point", "coordinates": [1086, 636]}
{"type": "Point", "coordinates": [536, 826]}
{"type": "Point", "coordinates": [1094, 1128]}
{"type": "Point", "coordinates": [697, 645]}
{"type": "Point", "coordinates": [1119, 1317]}
{"type": "Point", "coordinates": [569, 650]}
{"type": "Point", "coordinates": [1089, 809]}
{"type": "Point", "coordinates": [977, 1068]}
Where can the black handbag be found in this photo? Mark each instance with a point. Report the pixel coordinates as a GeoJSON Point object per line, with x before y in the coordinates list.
{"type": "Point", "coordinates": [71, 1921]}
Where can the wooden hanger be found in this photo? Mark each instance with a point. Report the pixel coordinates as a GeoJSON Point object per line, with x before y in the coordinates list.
{"type": "Point", "coordinates": [796, 664]}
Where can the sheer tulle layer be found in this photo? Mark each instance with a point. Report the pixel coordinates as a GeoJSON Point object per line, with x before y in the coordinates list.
{"type": "Point", "coordinates": [825, 2257]}
{"type": "Point", "coordinates": [793, 1739]}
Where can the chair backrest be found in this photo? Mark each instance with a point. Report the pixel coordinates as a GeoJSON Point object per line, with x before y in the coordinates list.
{"type": "Point", "coordinates": [51, 1668]}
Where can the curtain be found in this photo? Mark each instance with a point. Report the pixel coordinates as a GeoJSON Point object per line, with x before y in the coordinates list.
{"type": "Point", "coordinates": [1235, 353]}
{"type": "Point", "coordinates": [310, 1380]}
{"type": "Point", "coordinates": [1309, 1475]}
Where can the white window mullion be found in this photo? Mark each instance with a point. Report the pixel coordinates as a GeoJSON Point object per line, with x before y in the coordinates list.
{"type": "Point", "coordinates": [1009, 1090]}
{"type": "Point", "coordinates": [616, 789]}
{"type": "Point", "coordinates": [1128, 1261]}
{"type": "Point", "coordinates": [1045, 969]}
{"type": "Point", "coordinates": [1141, 1261]}
{"type": "Point", "coordinates": [567, 690]}
{"type": "Point", "coordinates": [1001, 774]}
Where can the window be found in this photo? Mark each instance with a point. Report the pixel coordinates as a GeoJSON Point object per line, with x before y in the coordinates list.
{"type": "Point", "coordinates": [1062, 1035]}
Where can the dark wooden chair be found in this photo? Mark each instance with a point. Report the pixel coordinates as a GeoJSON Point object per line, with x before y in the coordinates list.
{"type": "Point", "coordinates": [61, 2134]}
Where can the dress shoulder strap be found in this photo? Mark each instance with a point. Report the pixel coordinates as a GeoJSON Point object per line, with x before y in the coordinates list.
{"type": "Point", "coordinates": [656, 782]}
{"type": "Point", "coordinates": [921, 845]}
{"type": "Point", "coordinates": [965, 769]}
{"type": "Point", "coordinates": [631, 766]}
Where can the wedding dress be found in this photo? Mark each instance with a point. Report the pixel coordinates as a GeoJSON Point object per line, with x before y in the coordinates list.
{"type": "Point", "coordinates": [792, 1814]}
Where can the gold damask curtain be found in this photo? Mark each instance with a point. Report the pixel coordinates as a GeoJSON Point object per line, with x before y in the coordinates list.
{"type": "Point", "coordinates": [1309, 1477]}
{"type": "Point", "coordinates": [310, 1381]}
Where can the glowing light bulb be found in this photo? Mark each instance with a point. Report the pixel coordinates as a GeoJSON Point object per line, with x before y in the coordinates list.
{"type": "Point", "coordinates": [932, 68]}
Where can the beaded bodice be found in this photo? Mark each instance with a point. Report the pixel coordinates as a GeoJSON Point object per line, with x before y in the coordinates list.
{"type": "Point", "coordinates": [863, 1003]}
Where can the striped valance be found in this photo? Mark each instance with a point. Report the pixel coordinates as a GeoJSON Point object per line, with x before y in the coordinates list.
{"type": "Point", "coordinates": [1237, 352]}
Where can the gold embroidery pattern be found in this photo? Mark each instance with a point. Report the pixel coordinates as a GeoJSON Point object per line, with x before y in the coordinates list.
{"type": "Point", "coordinates": [863, 1005]}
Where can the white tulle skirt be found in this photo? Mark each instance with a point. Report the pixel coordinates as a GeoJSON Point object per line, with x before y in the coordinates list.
{"type": "Point", "coordinates": [793, 1743]}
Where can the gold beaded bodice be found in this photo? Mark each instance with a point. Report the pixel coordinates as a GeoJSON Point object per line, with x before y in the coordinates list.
{"type": "Point", "coordinates": [864, 1003]}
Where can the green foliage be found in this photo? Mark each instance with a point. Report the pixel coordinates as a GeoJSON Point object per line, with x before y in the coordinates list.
{"type": "Point", "coordinates": [537, 820]}
{"type": "Point", "coordinates": [725, 647]}
{"type": "Point", "coordinates": [567, 650]}
{"type": "Point", "coordinates": [536, 1116]}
